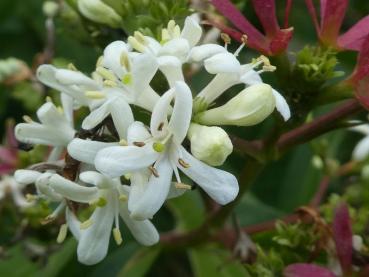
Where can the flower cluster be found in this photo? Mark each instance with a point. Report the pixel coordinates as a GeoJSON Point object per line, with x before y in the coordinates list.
{"type": "Point", "coordinates": [122, 167]}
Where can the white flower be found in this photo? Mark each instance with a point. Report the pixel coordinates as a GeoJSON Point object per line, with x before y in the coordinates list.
{"type": "Point", "coordinates": [229, 72]}
{"type": "Point", "coordinates": [110, 198]}
{"type": "Point", "coordinates": [9, 185]}
{"type": "Point", "coordinates": [163, 149]}
{"type": "Point", "coordinates": [211, 145]}
{"type": "Point", "coordinates": [361, 150]}
{"type": "Point", "coordinates": [55, 127]}
{"type": "Point", "coordinates": [250, 107]}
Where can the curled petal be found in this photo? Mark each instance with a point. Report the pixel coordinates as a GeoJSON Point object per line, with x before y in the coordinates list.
{"type": "Point", "coordinates": [159, 115]}
{"type": "Point", "coordinates": [281, 105]}
{"type": "Point", "coordinates": [191, 31]}
{"type": "Point", "coordinates": [200, 53]}
{"type": "Point", "coordinates": [144, 68]}
{"type": "Point", "coordinates": [112, 54]}
{"type": "Point", "coordinates": [361, 150]}
{"type": "Point", "coordinates": [222, 63]}
{"type": "Point", "coordinates": [25, 176]}
{"type": "Point", "coordinates": [137, 132]}
{"type": "Point", "coordinates": [171, 67]}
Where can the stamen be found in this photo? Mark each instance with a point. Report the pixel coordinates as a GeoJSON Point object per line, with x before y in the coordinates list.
{"type": "Point", "coordinates": [140, 37]}
{"type": "Point", "coordinates": [71, 66]}
{"type": "Point", "coordinates": [127, 176]}
{"type": "Point", "coordinates": [86, 224]}
{"type": "Point", "coordinates": [158, 147]}
{"type": "Point", "coordinates": [269, 68]}
{"type": "Point", "coordinates": [171, 25]}
{"type": "Point", "coordinates": [226, 38]}
{"type": "Point", "coordinates": [99, 61]}
{"type": "Point", "coordinates": [124, 61]}
{"type": "Point", "coordinates": [123, 198]}
{"type": "Point", "coordinates": [244, 42]}
{"type": "Point", "coordinates": [176, 32]}
{"type": "Point", "coordinates": [27, 119]}
{"type": "Point", "coordinates": [105, 73]}
{"type": "Point", "coordinates": [127, 78]}
{"type": "Point", "coordinates": [48, 219]}
{"type": "Point", "coordinates": [139, 143]}
{"type": "Point", "coordinates": [160, 127]}
{"type": "Point", "coordinates": [49, 99]}
{"type": "Point", "coordinates": [94, 94]}
{"type": "Point", "coordinates": [117, 236]}
{"type": "Point", "coordinates": [100, 202]}
{"type": "Point", "coordinates": [110, 83]}
{"type": "Point", "coordinates": [164, 36]}
{"type": "Point", "coordinates": [60, 109]}
{"type": "Point", "coordinates": [31, 197]}
{"type": "Point", "coordinates": [136, 44]}
{"type": "Point", "coordinates": [62, 233]}
{"type": "Point", "coordinates": [154, 171]}
{"type": "Point", "coordinates": [182, 186]}
{"type": "Point", "coordinates": [183, 163]}
{"type": "Point", "coordinates": [123, 142]}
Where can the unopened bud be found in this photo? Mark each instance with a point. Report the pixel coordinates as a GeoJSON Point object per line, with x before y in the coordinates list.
{"type": "Point", "coordinates": [250, 107]}
{"type": "Point", "coordinates": [50, 8]}
{"type": "Point", "coordinates": [209, 144]}
{"type": "Point", "coordinates": [98, 11]}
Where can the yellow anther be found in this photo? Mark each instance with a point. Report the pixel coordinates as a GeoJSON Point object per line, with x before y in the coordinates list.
{"type": "Point", "coordinates": [31, 197]}
{"type": "Point", "coordinates": [48, 219]}
{"type": "Point", "coordinates": [110, 83]}
{"type": "Point", "coordinates": [27, 119]}
{"type": "Point", "coordinates": [176, 32]}
{"type": "Point", "coordinates": [123, 142]}
{"type": "Point", "coordinates": [140, 37]}
{"type": "Point", "coordinates": [99, 61]}
{"type": "Point", "coordinates": [164, 36]}
{"type": "Point", "coordinates": [127, 176]}
{"type": "Point", "coordinates": [123, 197]}
{"type": "Point", "coordinates": [265, 60]}
{"type": "Point", "coordinates": [117, 236]}
{"type": "Point", "coordinates": [48, 99]}
{"type": "Point", "coordinates": [105, 73]}
{"type": "Point", "coordinates": [62, 233]}
{"type": "Point", "coordinates": [100, 202]}
{"type": "Point", "coordinates": [183, 163]}
{"type": "Point", "coordinates": [171, 25]}
{"type": "Point", "coordinates": [182, 186]}
{"type": "Point", "coordinates": [226, 38]}
{"type": "Point", "coordinates": [269, 68]}
{"type": "Point", "coordinates": [72, 67]}
{"type": "Point", "coordinates": [136, 44]}
{"type": "Point", "coordinates": [127, 79]}
{"type": "Point", "coordinates": [94, 94]}
{"type": "Point", "coordinates": [124, 61]}
{"type": "Point", "coordinates": [158, 147]}
{"type": "Point", "coordinates": [154, 171]}
{"type": "Point", "coordinates": [86, 224]}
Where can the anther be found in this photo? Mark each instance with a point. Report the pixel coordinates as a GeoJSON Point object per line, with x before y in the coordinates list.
{"type": "Point", "coordinates": [123, 142]}
{"type": "Point", "coordinates": [100, 202]}
{"type": "Point", "coordinates": [182, 186]}
{"type": "Point", "coordinates": [110, 83]}
{"type": "Point", "coordinates": [183, 163]}
{"type": "Point", "coordinates": [226, 38]}
{"type": "Point", "coordinates": [99, 61]}
{"type": "Point", "coordinates": [31, 197]}
{"type": "Point", "coordinates": [48, 99]}
{"type": "Point", "coordinates": [153, 171]}
{"type": "Point", "coordinates": [140, 37]}
{"type": "Point", "coordinates": [160, 127]}
{"type": "Point", "coordinates": [62, 233]}
{"type": "Point", "coordinates": [139, 143]}
{"type": "Point", "coordinates": [72, 67]}
{"type": "Point", "coordinates": [93, 94]}
{"type": "Point", "coordinates": [27, 119]}
{"type": "Point", "coordinates": [105, 73]}
{"type": "Point", "coordinates": [127, 78]}
{"type": "Point", "coordinates": [117, 236]}
{"type": "Point", "coordinates": [84, 225]}
{"type": "Point", "coordinates": [123, 198]}
{"type": "Point", "coordinates": [124, 61]}
{"type": "Point", "coordinates": [48, 219]}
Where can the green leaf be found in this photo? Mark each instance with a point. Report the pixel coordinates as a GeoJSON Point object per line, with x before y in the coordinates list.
{"type": "Point", "coordinates": [17, 264]}
{"type": "Point", "coordinates": [215, 261]}
{"type": "Point", "coordinates": [140, 263]}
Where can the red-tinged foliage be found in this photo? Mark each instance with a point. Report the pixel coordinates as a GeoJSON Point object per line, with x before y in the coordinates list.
{"type": "Point", "coordinates": [306, 270]}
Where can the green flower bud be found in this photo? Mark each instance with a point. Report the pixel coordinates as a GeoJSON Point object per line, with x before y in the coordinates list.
{"type": "Point", "coordinates": [209, 144]}
{"type": "Point", "coordinates": [250, 107]}
{"type": "Point", "coordinates": [50, 8]}
{"type": "Point", "coordinates": [98, 11]}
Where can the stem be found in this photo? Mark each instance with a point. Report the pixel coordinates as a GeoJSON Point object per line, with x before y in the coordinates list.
{"type": "Point", "coordinates": [319, 126]}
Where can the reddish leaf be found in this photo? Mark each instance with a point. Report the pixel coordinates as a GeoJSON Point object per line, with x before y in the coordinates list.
{"type": "Point", "coordinates": [354, 38]}
{"type": "Point", "coordinates": [332, 13]}
{"type": "Point", "coordinates": [362, 91]}
{"type": "Point", "coordinates": [362, 65]}
{"type": "Point", "coordinates": [287, 13]}
{"type": "Point", "coordinates": [265, 10]}
{"type": "Point", "coordinates": [280, 41]}
{"type": "Point", "coordinates": [342, 235]}
{"type": "Point", "coordinates": [306, 270]}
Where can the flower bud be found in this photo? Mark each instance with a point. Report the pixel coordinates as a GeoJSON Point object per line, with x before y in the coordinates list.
{"type": "Point", "coordinates": [249, 107]}
{"type": "Point", "coordinates": [50, 8]}
{"type": "Point", "coordinates": [209, 144]}
{"type": "Point", "coordinates": [98, 11]}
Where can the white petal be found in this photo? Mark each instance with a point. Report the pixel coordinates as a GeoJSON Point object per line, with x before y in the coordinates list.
{"type": "Point", "coordinates": [86, 150]}
{"type": "Point", "coordinates": [249, 76]}
{"type": "Point", "coordinates": [70, 77]}
{"type": "Point", "coordinates": [139, 181]}
{"type": "Point", "coordinates": [94, 241]}
{"type": "Point", "coordinates": [178, 47]}
{"type": "Point", "coordinates": [160, 114]}
{"type": "Point", "coordinates": [156, 192]}
{"type": "Point", "coordinates": [35, 133]}
{"type": "Point", "coordinates": [171, 67]}
{"type": "Point", "coordinates": [222, 63]}
{"type": "Point", "coordinates": [73, 191]}
{"type": "Point", "coordinates": [147, 99]}
{"type": "Point", "coordinates": [112, 55]}
{"type": "Point", "coordinates": [143, 231]}
{"type": "Point", "coordinates": [174, 192]}
{"type": "Point", "coordinates": [191, 31]}
{"type": "Point", "coordinates": [117, 160]}
{"type": "Point", "coordinates": [200, 53]}
{"type": "Point", "coordinates": [363, 129]}
{"type": "Point", "coordinates": [137, 132]}
{"type": "Point", "coordinates": [49, 115]}
{"type": "Point", "coordinates": [43, 188]}
{"type": "Point", "coordinates": [67, 103]}
{"type": "Point", "coordinates": [144, 68]}
{"type": "Point", "coordinates": [25, 176]}
{"type": "Point", "coordinates": [122, 116]}
{"type": "Point", "coordinates": [96, 116]}
{"type": "Point", "coordinates": [218, 184]}
{"type": "Point", "coordinates": [182, 112]}
{"type": "Point", "coordinates": [96, 178]}
{"type": "Point", "coordinates": [281, 105]}
{"type": "Point", "coordinates": [361, 150]}
{"type": "Point", "coordinates": [73, 223]}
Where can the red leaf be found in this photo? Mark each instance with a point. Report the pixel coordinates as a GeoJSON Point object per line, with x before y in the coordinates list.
{"type": "Point", "coordinates": [306, 270]}
{"type": "Point", "coordinates": [354, 38]}
{"type": "Point", "coordinates": [342, 235]}
{"type": "Point", "coordinates": [332, 13]}
{"type": "Point", "coordinates": [265, 10]}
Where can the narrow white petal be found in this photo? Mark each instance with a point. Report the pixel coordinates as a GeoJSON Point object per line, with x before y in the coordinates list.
{"type": "Point", "coordinates": [86, 150]}
{"type": "Point", "coordinates": [178, 47]}
{"type": "Point", "coordinates": [49, 115]}
{"type": "Point", "coordinates": [171, 67]}
{"type": "Point", "coordinates": [144, 68]}
{"type": "Point", "coordinates": [281, 105]}
{"type": "Point", "coordinates": [139, 181]}
{"type": "Point", "coordinates": [200, 53]}
{"type": "Point", "coordinates": [361, 150]}
{"type": "Point", "coordinates": [191, 31]}
{"type": "Point", "coordinates": [222, 63]}
{"type": "Point", "coordinates": [249, 76]}
{"type": "Point", "coordinates": [94, 241]}
{"type": "Point", "coordinates": [143, 231]}
{"type": "Point", "coordinates": [43, 188]}
{"type": "Point", "coordinates": [175, 192]}
{"type": "Point", "coordinates": [70, 77]}
{"type": "Point", "coordinates": [25, 176]}
{"type": "Point", "coordinates": [122, 115]}
{"type": "Point", "coordinates": [147, 99]}
{"type": "Point", "coordinates": [117, 160]}
{"type": "Point", "coordinates": [67, 103]}
{"type": "Point", "coordinates": [159, 115]}
{"type": "Point", "coordinates": [96, 179]}
{"type": "Point", "coordinates": [182, 112]}
{"type": "Point", "coordinates": [96, 116]}
{"type": "Point", "coordinates": [73, 191]}
{"type": "Point", "coordinates": [137, 132]}
{"type": "Point", "coordinates": [112, 54]}
{"type": "Point", "coordinates": [363, 129]}
{"type": "Point", "coordinates": [73, 224]}
{"type": "Point", "coordinates": [156, 192]}
{"type": "Point", "coordinates": [218, 184]}
{"type": "Point", "coordinates": [35, 133]}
